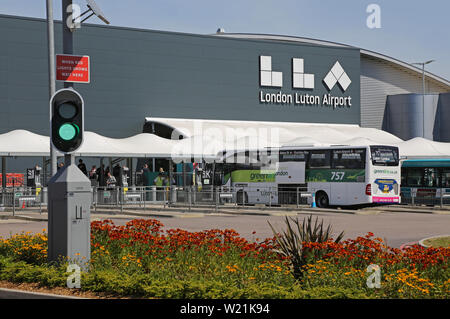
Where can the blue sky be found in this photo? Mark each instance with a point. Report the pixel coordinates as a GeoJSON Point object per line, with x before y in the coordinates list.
{"type": "Point", "coordinates": [411, 30]}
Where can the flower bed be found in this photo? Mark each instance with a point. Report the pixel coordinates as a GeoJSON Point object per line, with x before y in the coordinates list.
{"type": "Point", "coordinates": [141, 259]}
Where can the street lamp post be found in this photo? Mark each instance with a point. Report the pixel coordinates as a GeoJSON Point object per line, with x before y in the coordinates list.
{"type": "Point", "coordinates": [423, 93]}
{"type": "Point", "coordinates": [51, 73]}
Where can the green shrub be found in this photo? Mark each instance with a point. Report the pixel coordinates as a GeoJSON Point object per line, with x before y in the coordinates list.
{"type": "Point", "coordinates": [291, 241]}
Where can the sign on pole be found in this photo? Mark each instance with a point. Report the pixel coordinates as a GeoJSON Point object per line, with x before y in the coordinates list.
{"type": "Point", "coordinates": [72, 68]}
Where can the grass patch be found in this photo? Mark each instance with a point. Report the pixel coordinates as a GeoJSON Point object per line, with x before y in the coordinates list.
{"type": "Point", "coordinates": [438, 242]}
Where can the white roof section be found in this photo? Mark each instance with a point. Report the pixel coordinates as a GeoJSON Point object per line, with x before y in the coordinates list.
{"type": "Point", "coordinates": [208, 147]}
{"type": "Point", "coordinates": [25, 143]}
{"type": "Point", "coordinates": [419, 147]}
{"type": "Point", "coordinates": [275, 133]}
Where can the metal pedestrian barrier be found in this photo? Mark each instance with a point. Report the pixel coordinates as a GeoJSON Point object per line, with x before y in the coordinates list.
{"type": "Point", "coordinates": [144, 197]}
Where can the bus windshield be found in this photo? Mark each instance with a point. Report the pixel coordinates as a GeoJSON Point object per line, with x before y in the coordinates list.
{"type": "Point", "coordinates": [384, 155]}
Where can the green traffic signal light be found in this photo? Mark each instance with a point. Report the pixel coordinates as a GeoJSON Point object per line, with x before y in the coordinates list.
{"type": "Point", "coordinates": [68, 131]}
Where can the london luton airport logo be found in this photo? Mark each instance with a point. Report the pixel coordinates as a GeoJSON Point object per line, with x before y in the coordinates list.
{"type": "Point", "coordinates": [337, 75]}
{"type": "Point", "coordinates": [301, 80]}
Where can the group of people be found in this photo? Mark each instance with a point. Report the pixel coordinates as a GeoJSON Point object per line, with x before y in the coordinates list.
{"type": "Point", "coordinates": [102, 176]}
{"type": "Point", "coordinates": [162, 179]}
{"type": "Point", "coordinates": [98, 176]}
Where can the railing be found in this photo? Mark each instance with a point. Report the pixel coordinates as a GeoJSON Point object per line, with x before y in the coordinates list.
{"type": "Point", "coordinates": [142, 197]}
{"type": "Point", "coordinates": [426, 196]}
{"type": "Point", "coordinates": [23, 197]}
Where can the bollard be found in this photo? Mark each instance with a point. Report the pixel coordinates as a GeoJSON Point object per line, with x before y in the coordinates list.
{"type": "Point", "coordinates": [164, 197]}
{"type": "Point", "coordinates": [154, 193]}
{"type": "Point", "coordinates": [173, 197]}
{"type": "Point", "coordinates": [313, 204]}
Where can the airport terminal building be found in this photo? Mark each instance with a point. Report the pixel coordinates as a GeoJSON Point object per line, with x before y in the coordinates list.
{"type": "Point", "coordinates": [141, 77]}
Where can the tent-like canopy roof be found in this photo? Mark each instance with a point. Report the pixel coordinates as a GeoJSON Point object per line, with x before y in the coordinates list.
{"type": "Point", "coordinates": [282, 133]}
{"type": "Point", "coordinates": [208, 146]}
{"type": "Point", "coordinates": [419, 147]}
{"type": "Point", "coordinates": [25, 143]}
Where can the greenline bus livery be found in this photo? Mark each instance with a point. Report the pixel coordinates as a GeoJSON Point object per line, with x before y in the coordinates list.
{"type": "Point", "coordinates": [336, 176]}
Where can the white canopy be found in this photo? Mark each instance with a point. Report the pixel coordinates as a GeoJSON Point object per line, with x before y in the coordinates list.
{"type": "Point", "coordinates": [282, 133]}
{"type": "Point", "coordinates": [24, 143]}
{"type": "Point", "coordinates": [207, 146]}
{"type": "Point", "coordinates": [419, 147]}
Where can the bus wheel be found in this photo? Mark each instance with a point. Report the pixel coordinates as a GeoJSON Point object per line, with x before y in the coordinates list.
{"type": "Point", "coordinates": [322, 200]}
{"type": "Point", "coordinates": [241, 198]}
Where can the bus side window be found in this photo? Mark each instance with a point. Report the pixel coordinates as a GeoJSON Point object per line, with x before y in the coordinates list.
{"type": "Point", "coordinates": [445, 177]}
{"type": "Point", "coordinates": [337, 160]}
{"type": "Point", "coordinates": [319, 159]}
{"type": "Point", "coordinates": [430, 177]}
{"type": "Point", "coordinates": [348, 159]}
{"type": "Point", "coordinates": [404, 177]}
{"type": "Point", "coordinates": [414, 177]}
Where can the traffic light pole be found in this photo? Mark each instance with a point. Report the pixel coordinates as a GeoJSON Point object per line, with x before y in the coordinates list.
{"type": "Point", "coordinates": [51, 74]}
{"type": "Point", "coordinates": [67, 33]}
{"type": "Point", "coordinates": [67, 48]}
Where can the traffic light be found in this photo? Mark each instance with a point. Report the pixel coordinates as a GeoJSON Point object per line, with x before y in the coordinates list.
{"type": "Point", "coordinates": [67, 120]}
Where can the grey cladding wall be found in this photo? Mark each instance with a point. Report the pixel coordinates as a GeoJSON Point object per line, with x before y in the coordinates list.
{"type": "Point", "coordinates": [405, 117]}
{"type": "Point", "coordinates": [141, 73]}
{"type": "Point", "coordinates": [380, 79]}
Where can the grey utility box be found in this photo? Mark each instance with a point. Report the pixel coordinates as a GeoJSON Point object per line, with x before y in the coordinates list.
{"type": "Point", "coordinates": [69, 202]}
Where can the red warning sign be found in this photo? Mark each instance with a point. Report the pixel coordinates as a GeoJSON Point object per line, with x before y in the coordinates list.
{"type": "Point", "coordinates": [72, 68]}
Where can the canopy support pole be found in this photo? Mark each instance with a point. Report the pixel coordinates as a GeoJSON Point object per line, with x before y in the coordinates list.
{"type": "Point", "coordinates": [183, 165]}
{"type": "Point", "coordinates": [3, 179]}
{"type": "Point", "coordinates": [130, 170]}
{"type": "Point", "coordinates": [44, 172]}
